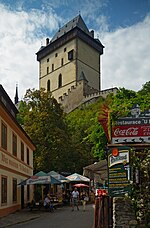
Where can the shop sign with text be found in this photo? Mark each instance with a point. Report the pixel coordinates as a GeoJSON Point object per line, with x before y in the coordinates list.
{"type": "Point", "coordinates": [119, 172]}
{"type": "Point", "coordinates": [133, 129]}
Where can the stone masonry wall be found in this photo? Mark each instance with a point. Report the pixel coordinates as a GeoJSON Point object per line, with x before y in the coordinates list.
{"type": "Point", "coordinates": [123, 215]}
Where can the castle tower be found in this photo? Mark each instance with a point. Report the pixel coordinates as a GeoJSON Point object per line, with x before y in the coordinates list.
{"type": "Point", "coordinates": [72, 55]}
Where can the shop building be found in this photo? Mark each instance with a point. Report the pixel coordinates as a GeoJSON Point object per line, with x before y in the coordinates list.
{"type": "Point", "coordinates": [16, 158]}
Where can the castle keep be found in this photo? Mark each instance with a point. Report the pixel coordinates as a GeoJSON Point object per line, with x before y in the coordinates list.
{"type": "Point", "coordinates": [69, 65]}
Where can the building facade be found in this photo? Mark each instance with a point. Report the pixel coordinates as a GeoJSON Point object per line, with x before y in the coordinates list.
{"type": "Point", "coordinates": [16, 158]}
{"type": "Point", "coordinates": [69, 64]}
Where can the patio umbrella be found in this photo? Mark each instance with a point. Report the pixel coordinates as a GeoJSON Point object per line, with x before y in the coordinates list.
{"type": "Point", "coordinates": [81, 185]}
{"type": "Point", "coordinates": [40, 178]}
{"type": "Point", "coordinates": [78, 177]}
{"type": "Point", "coordinates": [58, 176]}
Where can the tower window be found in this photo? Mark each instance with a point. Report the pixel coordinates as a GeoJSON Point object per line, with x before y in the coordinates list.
{"type": "Point", "coordinates": [47, 60]}
{"type": "Point", "coordinates": [52, 67]}
{"type": "Point", "coordinates": [47, 70]}
{"type": "Point", "coordinates": [56, 54]}
{"type": "Point", "coordinates": [65, 49]}
{"type": "Point", "coordinates": [70, 55]}
{"type": "Point", "coordinates": [60, 81]}
{"type": "Point", "coordinates": [62, 61]}
{"type": "Point", "coordinates": [48, 85]}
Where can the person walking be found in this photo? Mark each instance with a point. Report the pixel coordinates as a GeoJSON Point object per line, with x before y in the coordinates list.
{"type": "Point", "coordinates": [75, 199]}
{"type": "Point", "coordinates": [83, 198]}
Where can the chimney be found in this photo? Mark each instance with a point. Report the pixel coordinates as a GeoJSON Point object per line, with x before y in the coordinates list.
{"type": "Point", "coordinates": [92, 33]}
{"type": "Point", "coordinates": [47, 41]}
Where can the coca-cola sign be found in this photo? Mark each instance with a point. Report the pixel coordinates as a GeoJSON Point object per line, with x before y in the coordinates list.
{"type": "Point", "coordinates": [133, 128]}
{"type": "Point", "coordinates": [131, 133]}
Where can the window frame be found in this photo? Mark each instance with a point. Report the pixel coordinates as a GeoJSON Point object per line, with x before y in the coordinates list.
{"type": "Point", "coordinates": [4, 185]}
{"type": "Point", "coordinates": [14, 190]}
{"type": "Point", "coordinates": [70, 55]}
{"type": "Point", "coordinates": [60, 81]}
{"type": "Point", "coordinates": [22, 151]}
{"type": "Point", "coordinates": [28, 156]}
{"type": "Point", "coordinates": [14, 144]}
{"type": "Point", "coordinates": [48, 85]}
{"type": "Point", "coordinates": [3, 135]}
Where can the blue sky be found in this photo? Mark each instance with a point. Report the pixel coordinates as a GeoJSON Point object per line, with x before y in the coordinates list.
{"type": "Point", "coordinates": [123, 27]}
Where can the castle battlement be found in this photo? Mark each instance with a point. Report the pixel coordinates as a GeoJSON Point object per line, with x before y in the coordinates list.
{"type": "Point", "coordinates": [80, 94]}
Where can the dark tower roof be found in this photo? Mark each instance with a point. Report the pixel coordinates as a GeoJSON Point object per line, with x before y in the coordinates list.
{"type": "Point", "coordinates": [75, 22]}
{"type": "Point", "coordinates": [73, 29]}
{"type": "Point", "coordinates": [16, 99]}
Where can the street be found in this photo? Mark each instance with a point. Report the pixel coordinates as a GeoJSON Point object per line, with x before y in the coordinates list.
{"type": "Point", "coordinates": [62, 218]}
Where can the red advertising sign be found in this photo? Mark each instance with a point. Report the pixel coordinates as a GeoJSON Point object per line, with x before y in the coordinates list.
{"type": "Point", "coordinates": [134, 128]}
{"type": "Point", "coordinates": [131, 133]}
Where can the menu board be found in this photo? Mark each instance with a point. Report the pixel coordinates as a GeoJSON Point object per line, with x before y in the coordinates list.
{"type": "Point", "coordinates": [119, 172]}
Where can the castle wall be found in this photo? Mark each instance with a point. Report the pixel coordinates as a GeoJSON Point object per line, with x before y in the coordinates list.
{"type": "Point", "coordinates": [88, 61]}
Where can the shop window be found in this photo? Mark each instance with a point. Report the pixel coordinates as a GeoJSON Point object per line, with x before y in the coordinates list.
{"type": "Point", "coordinates": [4, 189]}
{"type": "Point", "coordinates": [14, 190]}
{"type": "Point", "coordinates": [28, 158]}
{"type": "Point", "coordinates": [4, 136]}
{"type": "Point", "coordinates": [22, 151]}
{"type": "Point", "coordinates": [70, 55]}
{"type": "Point", "coordinates": [60, 81]}
{"type": "Point", "coordinates": [48, 85]}
{"type": "Point", "coordinates": [14, 144]}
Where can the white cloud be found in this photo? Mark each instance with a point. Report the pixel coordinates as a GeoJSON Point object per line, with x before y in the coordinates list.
{"type": "Point", "coordinates": [126, 58]}
{"type": "Point", "coordinates": [125, 62]}
{"type": "Point", "coordinates": [21, 34]}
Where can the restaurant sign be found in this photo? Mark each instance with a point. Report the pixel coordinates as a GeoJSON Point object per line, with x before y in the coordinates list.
{"type": "Point", "coordinates": [119, 172]}
{"type": "Point", "coordinates": [134, 128]}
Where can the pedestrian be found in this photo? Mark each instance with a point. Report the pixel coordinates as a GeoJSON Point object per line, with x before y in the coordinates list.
{"type": "Point", "coordinates": [75, 199]}
{"type": "Point", "coordinates": [48, 204]}
{"type": "Point", "coordinates": [83, 198]}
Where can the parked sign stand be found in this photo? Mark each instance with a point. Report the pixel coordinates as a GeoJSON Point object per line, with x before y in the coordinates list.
{"type": "Point", "coordinates": [119, 171]}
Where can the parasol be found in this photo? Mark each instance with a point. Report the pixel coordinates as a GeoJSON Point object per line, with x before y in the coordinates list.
{"type": "Point", "coordinates": [77, 177]}
{"type": "Point", "coordinates": [81, 185]}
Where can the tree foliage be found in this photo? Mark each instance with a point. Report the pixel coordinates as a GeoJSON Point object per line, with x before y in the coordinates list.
{"type": "Point", "coordinates": [43, 120]}
{"type": "Point", "coordinates": [86, 130]}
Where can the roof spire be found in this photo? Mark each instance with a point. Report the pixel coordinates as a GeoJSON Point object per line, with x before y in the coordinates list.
{"type": "Point", "coordinates": [16, 99]}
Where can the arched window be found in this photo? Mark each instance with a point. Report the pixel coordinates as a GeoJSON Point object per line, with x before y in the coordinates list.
{"type": "Point", "coordinates": [48, 85]}
{"type": "Point", "coordinates": [60, 81]}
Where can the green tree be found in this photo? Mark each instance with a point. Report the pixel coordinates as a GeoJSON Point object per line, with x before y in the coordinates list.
{"type": "Point", "coordinates": [43, 120]}
{"type": "Point", "coordinates": [86, 131]}
{"type": "Point", "coordinates": [145, 89]}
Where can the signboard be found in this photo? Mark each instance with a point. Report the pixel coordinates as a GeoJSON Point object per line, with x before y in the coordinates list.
{"type": "Point", "coordinates": [133, 129]}
{"type": "Point", "coordinates": [38, 180]}
{"type": "Point", "coordinates": [119, 172]}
